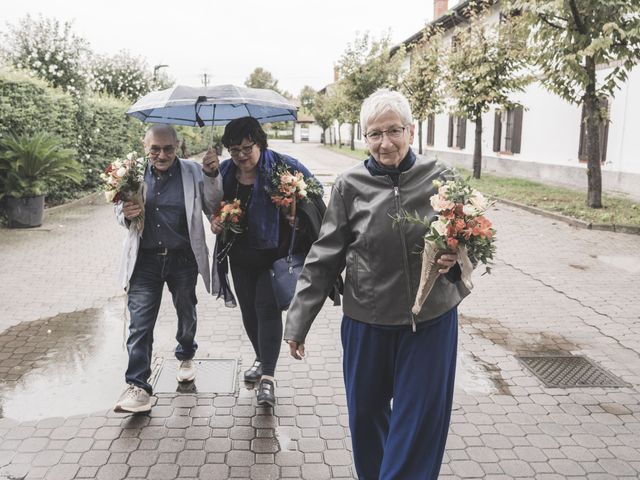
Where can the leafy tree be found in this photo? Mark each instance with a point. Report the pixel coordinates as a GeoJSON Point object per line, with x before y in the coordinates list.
{"type": "Point", "coordinates": [365, 66]}
{"type": "Point", "coordinates": [261, 78]}
{"type": "Point", "coordinates": [485, 65]}
{"type": "Point", "coordinates": [323, 112]}
{"type": "Point", "coordinates": [122, 75]}
{"type": "Point", "coordinates": [50, 50]}
{"type": "Point", "coordinates": [423, 83]}
{"type": "Point", "coordinates": [307, 98]}
{"type": "Point", "coordinates": [572, 38]}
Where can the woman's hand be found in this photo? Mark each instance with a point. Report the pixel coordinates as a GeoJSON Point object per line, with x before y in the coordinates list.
{"type": "Point", "coordinates": [216, 227]}
{"type": "Point", "coordinates": [131, 210]}
{"type": "Point", "coordinates": [296, 349]}
{"type": "Point", "coordinates": [447, 260]}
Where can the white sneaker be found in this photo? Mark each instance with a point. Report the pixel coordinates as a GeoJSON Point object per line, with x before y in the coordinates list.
{"type": "Point", "coordinates": [134, 399]}
{"type": "Point", "coordinates": [187, 371]}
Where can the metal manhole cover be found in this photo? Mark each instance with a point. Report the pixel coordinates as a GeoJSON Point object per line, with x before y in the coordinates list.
{"type": "Point", "coordinates": [213, 375]}
{"type": "Point", "coordinates": [569, 371]}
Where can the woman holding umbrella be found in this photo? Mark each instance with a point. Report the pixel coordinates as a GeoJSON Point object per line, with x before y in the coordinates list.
{"type": "Point", "coordinates": [262, 236]}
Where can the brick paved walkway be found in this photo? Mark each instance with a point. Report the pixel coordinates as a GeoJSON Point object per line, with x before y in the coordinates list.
{"type": "Point", "coordinates": [554, 289]}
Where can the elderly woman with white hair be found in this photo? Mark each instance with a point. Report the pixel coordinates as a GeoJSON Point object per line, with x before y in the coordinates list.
{"type": "Point", "coordinates": [399, 368]}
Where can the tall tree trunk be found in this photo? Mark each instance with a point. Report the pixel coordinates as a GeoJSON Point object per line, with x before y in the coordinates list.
{"type": "Point", "coordinates": [353, 135]}
{"type": "Point", "coordinates": [477, 149]}
{"type": "Point", "coordinates": [339, 137]}
{"type": "Point", "coordinates": [420, 137]}
{"type": "Point", "coordinates": [591, 108]}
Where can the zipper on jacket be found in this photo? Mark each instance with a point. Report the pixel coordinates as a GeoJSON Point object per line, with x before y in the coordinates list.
{"type": "Point", "coordinates": [396, 195]}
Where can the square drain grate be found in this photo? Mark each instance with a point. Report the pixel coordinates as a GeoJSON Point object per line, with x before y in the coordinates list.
{"type": "Point", "coordinates": [569, 371]}
{"type": "Point", "coordinates": [213, 375]}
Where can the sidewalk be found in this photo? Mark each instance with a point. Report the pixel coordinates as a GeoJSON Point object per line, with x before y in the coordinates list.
{"type": "Point", "coordinates": [554, 289]}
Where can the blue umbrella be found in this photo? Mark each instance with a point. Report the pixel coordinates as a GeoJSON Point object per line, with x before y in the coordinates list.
{"type": "Point", "coordinates": [216, 105]}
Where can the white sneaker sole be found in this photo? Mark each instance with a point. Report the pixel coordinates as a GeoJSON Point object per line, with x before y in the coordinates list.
{"type": "Point", "coordinates": [140, 409]}
{"type": "Point", "coordinates": [190, 378]}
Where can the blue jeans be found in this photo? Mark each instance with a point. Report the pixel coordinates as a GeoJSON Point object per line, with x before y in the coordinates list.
{"type": "Point", "coordinates": [417, 371]}
{"type": "Point", "coordinates": [180, 272]}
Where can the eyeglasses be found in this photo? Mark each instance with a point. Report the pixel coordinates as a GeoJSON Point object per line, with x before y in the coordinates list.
{"type": "Point", "coordinates": [393, 133]}
{"type": "Point", "coordinates": [168, 149]}
{"type": "Point", "coordinates": [247, 149]}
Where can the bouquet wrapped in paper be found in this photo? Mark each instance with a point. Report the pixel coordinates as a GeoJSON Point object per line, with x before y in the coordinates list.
{"type": "Point", "coordinates": [287, 188]}
{"type": "Point", "coordinates": [124, 181]}
{"type": "Point", "coordinates": [460, 226]}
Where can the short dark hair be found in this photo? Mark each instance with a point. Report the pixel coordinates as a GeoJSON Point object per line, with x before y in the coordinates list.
{"type": "Point", "coordinates": [244, 128]}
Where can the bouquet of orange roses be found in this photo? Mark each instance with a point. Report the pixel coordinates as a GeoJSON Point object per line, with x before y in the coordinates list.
{"type": "Point", "coordinates": [229, 214]}
{"type": "Point", "coordinates": [124, 181]}
{"type": "Point", "coordinates": [460, 226]}
{"type": "Point", "coordinates": [287, 188]}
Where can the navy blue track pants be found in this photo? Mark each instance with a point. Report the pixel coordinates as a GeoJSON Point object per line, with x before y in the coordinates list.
{"type": "Point", "coordinates": [405, 440]}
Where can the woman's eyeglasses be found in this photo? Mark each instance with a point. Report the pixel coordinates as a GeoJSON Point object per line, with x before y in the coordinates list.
{"type": "Point", "coordinates": [235, 151]}
{"type": "Point", "coordinates": [393, 133]}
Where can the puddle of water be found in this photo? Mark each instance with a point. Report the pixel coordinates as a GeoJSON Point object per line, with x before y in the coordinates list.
{"type": "Point", "coordinates": [473, 375]}
{"type": "Point", "coordinates": [66, 365]}
{"type": "Point", "coordinates": [283, 438]}
{"type": "Point", "coordinates": [624, 262]}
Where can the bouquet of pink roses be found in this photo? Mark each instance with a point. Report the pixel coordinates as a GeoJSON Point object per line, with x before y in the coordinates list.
{"type": "Point", "coordinates": [460, 226]}
{"type": "Point", "coordinates": [287, 188]}
{"type": "Point", "coordinates": [124, 181]}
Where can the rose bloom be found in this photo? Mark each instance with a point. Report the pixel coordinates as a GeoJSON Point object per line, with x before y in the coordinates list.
{"type": "Point", "coordinates": [479, 201]}
{"type": "Point", "coordinates": [440, 204]}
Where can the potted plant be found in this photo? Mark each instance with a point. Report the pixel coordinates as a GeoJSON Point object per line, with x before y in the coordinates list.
{"type": "Point", "coordinates": [28, 165]}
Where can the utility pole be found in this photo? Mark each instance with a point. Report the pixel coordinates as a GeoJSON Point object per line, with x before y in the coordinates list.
{"type": "Point", "coordinates": [155, 71]}
{"type": "Point", "coordinates": [205, 79]}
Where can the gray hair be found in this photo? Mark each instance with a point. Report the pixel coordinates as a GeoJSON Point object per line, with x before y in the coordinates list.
{"type": "Point", "coordinates": [161, 129]}
{"type": "Point", "coordinates": [382, 101]}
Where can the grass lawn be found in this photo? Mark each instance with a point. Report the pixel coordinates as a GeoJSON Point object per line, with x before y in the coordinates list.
{"type": "Point", "coordinates": [566, 201]}
{"type": "Point", "coordinates": [358, 153]}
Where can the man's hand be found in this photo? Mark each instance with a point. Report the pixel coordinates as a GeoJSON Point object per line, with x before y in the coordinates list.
{"type": "Point", "coordinates": [296, 349]}
{"type": "Point", "coordinates": [131, 210]}
{"type": "Point", "coordinates": [216, 226]}
{"type": "Point", "coordinates": [210, 161]}
{"type": "Point", "coordinates": [447, 260]}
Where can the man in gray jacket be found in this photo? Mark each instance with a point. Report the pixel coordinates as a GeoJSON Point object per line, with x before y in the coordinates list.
{"type": "Point", "coordinates": [172, 250]}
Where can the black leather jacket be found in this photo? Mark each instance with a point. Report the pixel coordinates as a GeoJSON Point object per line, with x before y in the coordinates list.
{"type": "Point", "coordinates": [382, 259]}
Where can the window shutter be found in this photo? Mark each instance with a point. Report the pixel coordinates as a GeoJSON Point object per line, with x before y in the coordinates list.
{"type": "Point", "coordinates": [582, 147]}
{"type": "Point", "coordinates": [516, 139]}
{"type": "Point", "coordinates": [431, 130]}
{"type": "Point", "coordinates": [497, 130]}
{"type": "Point", "coordinates": [450, 134]}
{"type": "Point", "coordinates": [462, 132]}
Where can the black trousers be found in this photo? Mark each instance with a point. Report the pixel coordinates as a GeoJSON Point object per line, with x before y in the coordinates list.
{"type": "Point", "coordinates": [260, 315]}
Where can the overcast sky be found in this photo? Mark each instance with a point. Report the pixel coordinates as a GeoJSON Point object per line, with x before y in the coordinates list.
{"type": "Point", "coordinates": [297, 41]}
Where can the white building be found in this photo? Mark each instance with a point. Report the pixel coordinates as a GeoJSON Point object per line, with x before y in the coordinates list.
{"type": "Point", "coordinates": [543, 141]}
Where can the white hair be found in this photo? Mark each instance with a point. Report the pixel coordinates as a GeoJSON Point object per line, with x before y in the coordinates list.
{"type": "Point", "coordinates": [382, 101]}
{"type": "Point", "coordinates": [161, 129]}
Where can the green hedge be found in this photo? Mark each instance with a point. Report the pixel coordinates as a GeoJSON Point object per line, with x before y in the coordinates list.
{"type": "Point", "coordinates": [95, 126]}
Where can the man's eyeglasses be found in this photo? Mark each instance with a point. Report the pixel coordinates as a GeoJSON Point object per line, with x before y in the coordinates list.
{"type": "Point", "coordinates": [168, 149]}
{"type": "Point", "coordinates": [393, 133]}
{"type": "Point", "coordinates": [247, 149]}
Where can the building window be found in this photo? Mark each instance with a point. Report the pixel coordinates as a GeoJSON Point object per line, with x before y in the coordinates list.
{"type": "Point", "coordinates": [457, 132]}
{"type": "Point", "coordinates": [507, 130]}
{"type": "Point", "coordinates": [431, 125]}
{"type": "Point", "coordinates": [603, 132]}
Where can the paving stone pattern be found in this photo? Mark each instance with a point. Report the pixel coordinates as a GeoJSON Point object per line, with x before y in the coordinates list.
{"type": "Point", "coordinates": [554, 289]}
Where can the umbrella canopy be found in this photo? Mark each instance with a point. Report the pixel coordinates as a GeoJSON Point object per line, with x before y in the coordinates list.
{"type": "Point", "coordinates": [216, 105]}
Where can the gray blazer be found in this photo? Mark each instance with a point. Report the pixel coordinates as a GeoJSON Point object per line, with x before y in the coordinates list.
{"type": "Point", "coordinates": [202, 194]}
{"type": "Point", "coordinates": [381, 258]}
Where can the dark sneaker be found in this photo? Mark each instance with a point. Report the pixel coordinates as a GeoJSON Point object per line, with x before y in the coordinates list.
{"type": "Point", "coordinates": [266, 394]}
{"type": "Point", "coordinates": [254, 373]}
